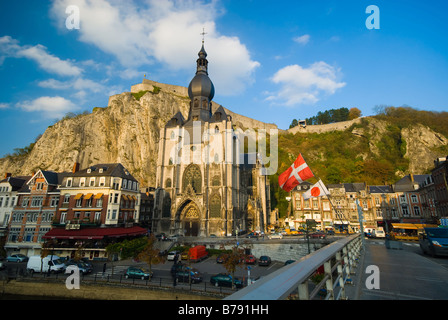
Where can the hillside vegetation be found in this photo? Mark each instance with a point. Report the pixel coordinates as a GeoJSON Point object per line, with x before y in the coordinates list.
{"type": "Point", "coordinates": [373, 151]}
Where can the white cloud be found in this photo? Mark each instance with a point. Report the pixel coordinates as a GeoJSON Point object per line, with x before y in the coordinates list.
{"type": "Point", "coordinates": [4, 105]}
{"type": "Point", "coordinates": [10, 47]}
{"type": "Point", "coordinates": [51, 107]}
{"type": "Point", "coordinates": [300, 85]}
{"type": "Point", "coordinates": [48, 62]}
{"type": "Point", "coordinates": [162, 33]}
{"type": "Point", "coordinates": [302, 39]}
{"type": "Point", "coordinates": [77, 84]}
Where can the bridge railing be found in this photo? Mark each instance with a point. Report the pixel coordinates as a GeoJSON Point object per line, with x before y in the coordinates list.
{"type": "Point", "coordinates": [339, 260]}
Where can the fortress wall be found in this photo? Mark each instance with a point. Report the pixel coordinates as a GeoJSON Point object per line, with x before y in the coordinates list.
{"type": "Point", "coordinates": [338, 126]}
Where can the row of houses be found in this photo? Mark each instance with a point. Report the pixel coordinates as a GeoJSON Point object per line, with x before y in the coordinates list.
{"type": "Point", "coordinates": [412, 199]}
{"type": "Point", "coordinates": [83, 209]}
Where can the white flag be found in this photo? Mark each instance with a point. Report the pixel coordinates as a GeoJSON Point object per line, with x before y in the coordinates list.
{"type": "Point", "coordinates": [317, 190]}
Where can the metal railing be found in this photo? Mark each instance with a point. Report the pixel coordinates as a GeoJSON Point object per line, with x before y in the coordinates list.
{"type": "Point", "coordinates": [295, 281]}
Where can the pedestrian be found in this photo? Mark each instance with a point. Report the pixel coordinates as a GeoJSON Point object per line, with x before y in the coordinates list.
{"type": "Point", "coordinates": [104, 270]}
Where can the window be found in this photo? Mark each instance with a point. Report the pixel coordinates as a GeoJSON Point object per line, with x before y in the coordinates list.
{"type": "Point", "coordinates": [405, 211]}
{"type": "Point", "coordinates": [39, 186]}
{"type": "Point", "coordinates": [66, 198]}
{"type": "Point", "coordinates": [1, 201]}
{"type": "Point", "coordinates": [114, 214]}
{"type": "Point", "coordinates": [28, 235]}
{"type": "Point", "coordinates": [123, 185]}
{"type": "Point", "coordinates": [89, 202]}
{"type": "Point", "coordinates": [69, 182]}
{"type": "Point", "coordinates": [402, 198]}
{"type": "Point", "coordinates": [99, 202]}
{"type": "Point", "coordinates": [192, 176]}
{"type": "Point", "coordinates": [6, 220]}
{"type": "Point", "coordinates": [102, 181]}
{"type": "Point", "coordinates": [36, 201]}
{"type": "Point", "coordinates": [416, 211]}
{"type": "Point", "coordinates": [215, 206]}
{"type": "Point", "coordinates": [116, 198]}
{"type": "Point", "coordinates": [6, 201]}
{"type": "Point", "coordinates": [25, 202]}
{"type": "Point", "coordinates": [82, 182]}
{"type": "Point", "coordinates": [63, 217]}
{"type": "Point", "coordinates": [92, 182]}
{"type": "Point", "coordinates": [54, 201]}
{"type": "Point", "coordinates": [79, 202]}
{"type": "Point", "coordinates": [414, 198]}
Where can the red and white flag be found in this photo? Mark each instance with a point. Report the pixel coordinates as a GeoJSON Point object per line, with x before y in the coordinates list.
{"type": "Point", "coordinates": [295, 174]}
{"type": "Point", "coordinates": [317, 190]}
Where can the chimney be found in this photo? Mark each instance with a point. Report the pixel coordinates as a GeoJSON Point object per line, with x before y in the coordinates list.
{"type": "Point", "coordinates": [7, 175]}
{"type": "Point", "coordinates": [411, 176]}
{"type": "Point", "coordinates": [75, 167]}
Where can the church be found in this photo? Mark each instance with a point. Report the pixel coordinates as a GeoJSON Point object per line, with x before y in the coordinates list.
{"type": "Point", "coordinates": [208, 181]}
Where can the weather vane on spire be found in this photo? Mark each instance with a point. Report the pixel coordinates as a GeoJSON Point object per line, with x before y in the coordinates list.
{"type": "Point", "coordinates": [203, 34]}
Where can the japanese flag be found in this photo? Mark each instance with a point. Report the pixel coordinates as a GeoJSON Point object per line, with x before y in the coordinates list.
{"type": "Point", "coordinates": [317, 190]}
{"type": "Point", "coordinates": [295, 174]}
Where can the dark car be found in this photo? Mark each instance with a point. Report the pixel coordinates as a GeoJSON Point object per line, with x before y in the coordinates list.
{"type": "Point", "coordinates": [223, 279]}
{"type": "Point", "coordinates": [161, 237]}
{"type": "Point", "coordinates": [178, 268]}
{"type": "Point", "coordinates": [252, 235]}
{"type": "Point", "coordinates": [250, 259]}
{"type": "Point", "coordinates": [318, 235]}
{"type": "Point", "coordinates": [137, 273]}
{"type": "Point", "coordinates": [189, 275]}
{"type": "Point", "coordinates": [289, 262]}
{"type": "Point", "coordinates": [264, 261]}
{"type": "Point", "coordinates": [222, 258]}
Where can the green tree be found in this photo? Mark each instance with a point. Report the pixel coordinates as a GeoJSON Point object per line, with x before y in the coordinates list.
{"type": "Point", "coordinates": [150, 254]}
{"type": "Point", "coordinates": [233, 260]}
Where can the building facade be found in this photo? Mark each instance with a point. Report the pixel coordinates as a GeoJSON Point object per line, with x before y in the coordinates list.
{"type": "Point", "coordinates": [205, 184]}
{"type": "Point", "coordinates": [33, 214]}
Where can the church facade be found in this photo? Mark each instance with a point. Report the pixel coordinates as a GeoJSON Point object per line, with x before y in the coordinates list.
{"type": "Point", "coordinates": [206, 184]}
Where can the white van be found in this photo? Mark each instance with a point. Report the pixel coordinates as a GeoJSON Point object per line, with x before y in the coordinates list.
{"type": "Point", "coordinates": [38, 264]}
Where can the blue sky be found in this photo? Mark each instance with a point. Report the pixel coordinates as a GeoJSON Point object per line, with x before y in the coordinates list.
{"type": "Point", "coordinates": [272, 61]}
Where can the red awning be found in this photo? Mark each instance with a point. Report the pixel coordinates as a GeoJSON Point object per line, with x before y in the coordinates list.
{"type": "Point", "coordinates": [94, 233]}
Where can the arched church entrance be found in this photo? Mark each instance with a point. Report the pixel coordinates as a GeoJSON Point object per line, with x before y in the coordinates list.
{"type": "Point", "coordinates": [189, 219]}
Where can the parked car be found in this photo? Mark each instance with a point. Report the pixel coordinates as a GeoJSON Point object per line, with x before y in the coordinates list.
{"type": "Point", "coordinates": [174, 237]}
{"type": "Point", "coordinates": [161, 237]}
{"type": "Point", "coordinates": [250, 259]}
{"type": "Point", "coordinates": [289, 262]}
{"type": "Point", "coordinates": [172, 255]}
{"type": "Point", "coordinates": [252, 235]}
{"type": "Point", "coordinates": [222, 258]}
{"type": "Point", "coordinates": [137, 273]}
{"type": "Point", "coordinates": [82, 266]}
{"type": "Point", "coordinates": [18, 257]}
{"type": "Point", "coordinates": [184, 255]}
{"type": "Point", "coordinates": [275, 236]}
{"type": "Point", "coordinates": [318, 235]}
{"type": "Point", "coordinates": [178, 267]}
{"type": "Point", "coordinates": [264, 261]}
{"type": "Point", "coordinates": [223, 279]}
{"type": "Point", "coordinates": [189, 275]}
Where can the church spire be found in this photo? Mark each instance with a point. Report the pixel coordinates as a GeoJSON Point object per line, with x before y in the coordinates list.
{"type": "Point", "coordinates": [202, 63]}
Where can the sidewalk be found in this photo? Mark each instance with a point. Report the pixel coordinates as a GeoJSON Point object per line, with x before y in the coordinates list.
{"type": "Point", "coordinates": [404, 275]}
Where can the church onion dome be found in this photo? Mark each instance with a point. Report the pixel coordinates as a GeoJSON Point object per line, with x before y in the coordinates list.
{"type": "Point", "coordinates": [201, 85]}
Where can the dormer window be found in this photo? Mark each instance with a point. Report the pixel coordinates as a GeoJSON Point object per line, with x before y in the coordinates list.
{"type": "Point", "coordinates": [69, 182]}
{"type": "Point", "coordinates": [101, 170]}
{"type": "Point", "coordinates": [82, 182]}
{"type": "Point", "coordinates": [89, 170]}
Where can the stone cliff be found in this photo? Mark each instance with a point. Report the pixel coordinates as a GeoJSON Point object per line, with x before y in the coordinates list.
{"type": "Point", "coordinates": [126, 131]}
